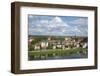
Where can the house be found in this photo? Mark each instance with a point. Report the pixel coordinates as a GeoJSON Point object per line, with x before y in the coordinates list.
{"type": "Point", "coordinates": [36, 47]}
{"type": "Point", "coordinates": [63, 46]}
{"type": "Point", "coordinates": [54, 47]}
{"type": "Point", "coordinates": [85, 45]}
{"type": "Point", "coordinates": [44, 44]}
{"type": "Point", "coordinates": [49, 38]}
{"type": "Point", "coordinates": [30, 39]}
{"type": "Point", "coordinates": [59, 46]}
{"type": "Point", "coordinates": [66, 38]}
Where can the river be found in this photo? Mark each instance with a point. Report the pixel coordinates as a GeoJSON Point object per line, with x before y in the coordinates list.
{"type": "Point", "coordinates": [71, 56]}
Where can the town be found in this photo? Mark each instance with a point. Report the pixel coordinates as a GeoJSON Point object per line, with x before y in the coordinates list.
{"type": "Point", "coordinates": [56, 43]}
{"type": "Point", "coordinates": [41, 47]}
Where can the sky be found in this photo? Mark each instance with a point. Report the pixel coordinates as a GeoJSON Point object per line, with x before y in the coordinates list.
{"type": "Point", "coordinates": [57, 25]}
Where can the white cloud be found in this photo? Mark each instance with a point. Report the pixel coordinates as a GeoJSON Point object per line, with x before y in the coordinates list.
{"type": "Point", "coordinates": [58, 22]}
{"type": "Point", "coordinates": [56, 26]}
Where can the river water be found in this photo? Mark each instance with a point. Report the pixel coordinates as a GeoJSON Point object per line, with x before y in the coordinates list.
{"type": "Point", "coordinates": [72, 56]}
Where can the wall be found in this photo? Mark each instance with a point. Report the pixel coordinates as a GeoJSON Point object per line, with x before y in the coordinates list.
{"type": "Point", "coordinates": [5, 33]}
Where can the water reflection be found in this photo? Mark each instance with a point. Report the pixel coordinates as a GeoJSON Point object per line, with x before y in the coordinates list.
{"type": "Point", "coordinates": [55, 57]}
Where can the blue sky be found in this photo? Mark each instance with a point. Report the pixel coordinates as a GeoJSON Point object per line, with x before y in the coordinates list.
{"type": "Point", "coordinates": [57, 25]}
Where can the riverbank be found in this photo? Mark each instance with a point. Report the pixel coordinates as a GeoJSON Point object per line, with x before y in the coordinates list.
{"type": "Point", "coordinates": [57, 54]}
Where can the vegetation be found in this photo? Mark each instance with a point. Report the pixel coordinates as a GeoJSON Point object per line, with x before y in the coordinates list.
{"type": "Point", "coordinates": [57, 52]}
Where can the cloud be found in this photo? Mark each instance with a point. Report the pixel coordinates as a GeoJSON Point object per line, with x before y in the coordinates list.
{"type": "Point", "coordinates": [56, 26]}
{"type": "Point", "coordinates": [80, 21]}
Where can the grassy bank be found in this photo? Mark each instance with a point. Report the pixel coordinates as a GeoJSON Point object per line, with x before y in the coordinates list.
{"type": "Point", "coordinates": [58, 52]}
